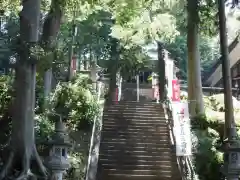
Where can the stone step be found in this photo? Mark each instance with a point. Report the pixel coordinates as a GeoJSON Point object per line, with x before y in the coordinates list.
{"type": "Point", "coordinates": [137, 152]}
{"type": "Point", "coordinates": [134, 109]}
{"type": "Point", "coordinates": [141, 172]}
{"type": "Point", "coordinates": [136, 104]}
{"type": "Point", "coordinates": [130, 162]}
{"type": "Point", "coordinates": [135, 129]}
{"type": "Point", "coordinates": [131, 105]}
{"type": "Point", "coordinates": [124, 134]}
{"type": "Point", "coordinates": [132, 143]}
{"type": "Point", "coordinates": [161, 148]}
{"type": "Point", "coordinates": [129, 130]}
{"type": "Point", "coordinates": [137, 114]}
{"type": "Point", "coordinates": [136, 157]}
{"type": "Point", "coordinates": [118, 117]}
{"type": "Point", "coordinates": [162, 139]}
{"type": "Point", "coordinates": [134, 120]}
{"type": "Point", "coordinates": [140, 103]}
{"type": "Point", "coordinates": [136, 144]}
{"type": "Point", "coordinates": [120, 176]}
{"type": "Point", "coordinates": [120, 167]}
{"type": "Point", "coordinates": [129, 125]}
{"type": "Point", "coordinates": [134, 116]}
{"type": "Point", "coordinates": [129, 113]}
{"type": "Point", "coordinates": [137, 121]}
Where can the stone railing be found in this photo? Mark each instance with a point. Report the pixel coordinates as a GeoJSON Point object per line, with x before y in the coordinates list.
{"type": "Point", "coordinates": [92, 165]}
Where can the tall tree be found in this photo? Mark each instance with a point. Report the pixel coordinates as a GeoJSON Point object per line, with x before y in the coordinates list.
{"type": "Point", "coordinates": [230, 125]}
{"type": "Point", "coordinates": [113, 67]}
{"type": "Point", "coordinates": [22, 138]}
{"type": "Point", "coordinates": [29, 51]}
{"type": "Point", "coordinates": [194, 67]}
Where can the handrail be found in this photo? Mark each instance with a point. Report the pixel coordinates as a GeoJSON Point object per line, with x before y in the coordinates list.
{"type": "Point", "coordinates": [185, 164]}
{"type": "Point", "coordinates": [94, 143]}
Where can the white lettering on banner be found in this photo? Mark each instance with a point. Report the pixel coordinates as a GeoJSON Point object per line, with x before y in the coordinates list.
{"type": "Point", "coordinates": [182, 128]}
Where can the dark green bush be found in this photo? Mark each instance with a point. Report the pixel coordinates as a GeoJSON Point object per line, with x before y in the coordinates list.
{"type": "Point", "coordinates": [208, 158]}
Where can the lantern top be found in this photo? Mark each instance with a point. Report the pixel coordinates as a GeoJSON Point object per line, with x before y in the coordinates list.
{"type": "Point", "coordinates": [60, 136]}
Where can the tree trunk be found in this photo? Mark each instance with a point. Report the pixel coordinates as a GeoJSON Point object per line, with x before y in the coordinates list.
{"type": "Point", "coordinates": [113, 65]}
{"type": "Point", "coordinates": [112, 83]}
{"type": "Point", "coordinates": [70, 55]}
{"type": "Point", "coordinates": [194, 68]}
{"type": "Point", "coordinates": [230, 125]}
{"type": "Point", "coordinates": [47, 86]}
{"type": "Point", "coordinates": [22, 137]}
{"type": "Point", "coordinates": [198, 80]}
{"type": "Point", "coordinates": [51, 28]}
{"type": "Point", "coordinates": [161, 70]}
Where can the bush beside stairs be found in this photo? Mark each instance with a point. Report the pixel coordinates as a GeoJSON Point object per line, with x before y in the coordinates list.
{"type": "Point", "coordinates": [135, 143]}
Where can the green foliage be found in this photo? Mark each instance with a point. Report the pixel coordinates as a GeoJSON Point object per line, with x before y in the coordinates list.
{"type": "Point", "coordinates": [78, 162]}
{"type": "Point", "coordinates": [208, 19]}
{"type": "Point", "coordinates": [44, 128]}
{"type": "Point", "coordinates": [178, 51]}
{"type": "Point", "coordinates": [5, 94]}
{"type": "Point", "coordinates": [93, 36]}
{"type": "Point", "coordinates": [76, 103]}
{"type": "Point", "coordinates": [8, 37]}
{"type": "Point", "coordinates": [210, 134]}
{"type": "Point", "coordinates": [5, 117]}
{"type": "Point", "coordinates": [144, 29]}
{"type": "Point", "coordinates": [133, 60]}
{"type": "Point", "coordinates": [208, 159]}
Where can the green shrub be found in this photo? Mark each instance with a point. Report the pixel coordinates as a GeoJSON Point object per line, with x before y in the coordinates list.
{"type": "Point", "coordinates": [76, 103]}
{"type": "Point", "coordinates": [5, 93]}
{"type": "Point", "coordinates": [208, 158]}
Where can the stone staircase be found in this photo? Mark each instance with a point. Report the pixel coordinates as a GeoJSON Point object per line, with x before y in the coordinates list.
{"type": "Point", "coordinates": [135, 144]}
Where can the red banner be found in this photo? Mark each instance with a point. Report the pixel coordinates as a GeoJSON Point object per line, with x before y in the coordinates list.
{"type": "Point", "coordinates": [175, 90]}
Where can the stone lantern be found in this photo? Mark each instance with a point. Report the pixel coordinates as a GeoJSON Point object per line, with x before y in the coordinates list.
{"type": "Point", "coordinates": [231, 167]}
{"type": "Point", "coordinates": [59, 145]}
